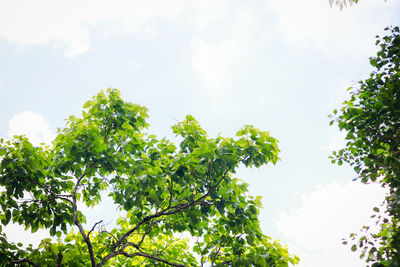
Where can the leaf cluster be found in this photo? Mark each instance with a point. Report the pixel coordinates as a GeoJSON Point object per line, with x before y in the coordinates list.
{"type": "Point", "coordinates": [342, 3]}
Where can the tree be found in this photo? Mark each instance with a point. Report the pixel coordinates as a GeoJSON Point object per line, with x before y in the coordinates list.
{"type": "Point", "coordinates": [161, 190]}
{"type": "Point", "coordinates": [372, 120]}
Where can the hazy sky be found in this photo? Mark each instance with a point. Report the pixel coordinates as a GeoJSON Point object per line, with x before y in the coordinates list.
{"type": "Point", "coordinates": [282, 66]}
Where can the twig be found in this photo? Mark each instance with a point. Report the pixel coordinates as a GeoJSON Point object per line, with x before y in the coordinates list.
{"type": "Point", "coordinates": [94, 226]}
{"type": "Point", "coordinates": [59, 259]}
{"type": "Point", "coordinates": [142, 254]}
{"type": "Point", "coordinates": [19, 262]}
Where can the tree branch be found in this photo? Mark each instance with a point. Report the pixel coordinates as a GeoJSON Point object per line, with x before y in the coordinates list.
{"type": "Point", "coordinates": [59, 259]}
{"type": "Point", "coordinates": [165, 212]}
{"type": "Point", "coordinates": [94, 226]}
{"type": "Point", "coordinates": [146, 233]}
{"type": "Point", "coordinates": [142, 254]}
{"type": "Point", "coordinates": [19, 262]}
{"type": "Point", "coordinates": [219, 246]}
{"type": "Point", "coordinates": [75, 215]}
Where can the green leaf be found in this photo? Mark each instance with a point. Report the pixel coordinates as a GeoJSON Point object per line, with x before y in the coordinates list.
{"type": "Point", "coordinates": [88, 104]}
{"type": "Point", "coordinates": [6, 218]}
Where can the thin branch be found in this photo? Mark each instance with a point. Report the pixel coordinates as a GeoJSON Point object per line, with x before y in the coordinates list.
{"type": "Point", "coordinates": [94, 226]}
{"type": "Point", "coordinates": [155, 251]}
{"type": "Point", "coordinates": [66, 199]}
{"type": "Point", "coordinates": [219, 246]}
{"type": "Point", "coordinates": [167, 246]}
{"type": "Point", "coordinates": [75, 214]}
{"type": "Point", "coordinates": [142, 254]}
{"type": "Point", "coordinates": [171, 192]}
{"type": "Point", "coordinates": [127, 244]}
{"type": "Point", "coordinates": [137, 246]}
{"type": "Point", "coordinates": [61, 196]}
{"type": "Point", "coordinates": [146, 233]}
{"type": "Point", "coordinates": [201, 253]}
{"type": "Point", "coordinates": [113, 236]}
{"type": "Point", "coordinates": [19, 262]}
{"type": "Point", "coordinates": [59, 259]}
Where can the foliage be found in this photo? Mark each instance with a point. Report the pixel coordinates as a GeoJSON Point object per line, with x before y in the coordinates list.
{"type": "Point", "coordinates": [372, 120]}
{"type": "Point", "coordinates": [342, 3]}
{"type": "Point", "coordinates": [162, 191]}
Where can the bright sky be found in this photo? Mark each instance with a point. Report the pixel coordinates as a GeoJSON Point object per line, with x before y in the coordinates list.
{"type": "Point", "coordinates": [282, 66]}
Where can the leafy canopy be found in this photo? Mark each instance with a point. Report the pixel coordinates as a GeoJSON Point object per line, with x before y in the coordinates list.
{"type": "Point", "coordinates": [161, 189]}
{"type": "Point", "coordinates": [372, 120]}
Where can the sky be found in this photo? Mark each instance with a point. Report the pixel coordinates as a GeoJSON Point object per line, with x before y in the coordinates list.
{"type": "Point", "coordinates": [282, 66]}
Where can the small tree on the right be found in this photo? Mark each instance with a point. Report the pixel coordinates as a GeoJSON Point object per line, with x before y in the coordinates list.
{"type": "Point", "coordinates": [371, 118]}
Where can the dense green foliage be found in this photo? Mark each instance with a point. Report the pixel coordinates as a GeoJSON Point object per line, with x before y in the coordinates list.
{"type": "Point", "coordinates": [372, 120]}
{"type": "Point", "coordinates": [161, 189]}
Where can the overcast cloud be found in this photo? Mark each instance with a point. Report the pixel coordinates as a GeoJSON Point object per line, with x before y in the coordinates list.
{"type": "Point", "coordinates": [319, 220]}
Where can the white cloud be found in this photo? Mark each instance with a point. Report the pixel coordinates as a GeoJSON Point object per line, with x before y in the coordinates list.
{"type": "Point", "coordinates": [212, 62]}
{"type": "Point", "coordinates": [324, 217]}
{"type": "Point", "coordinates": [350, 31]}
{"type": "Point", "coordinates": [207, 13]}
{"type": "Point", "coordinates": [33, 125]}
{"type": "Point", "coordinates": [336, 141]}
{"type": "Point", "coordinates": [67, 23]}
{"type": "Point", "coordinates": [215, 62]}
